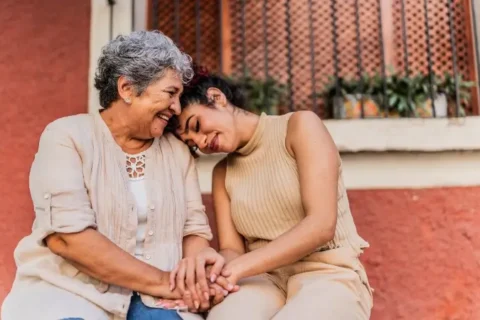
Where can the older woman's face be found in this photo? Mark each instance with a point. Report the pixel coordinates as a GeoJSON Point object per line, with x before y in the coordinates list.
{"type": "Point", "coordinates": [156, 105]}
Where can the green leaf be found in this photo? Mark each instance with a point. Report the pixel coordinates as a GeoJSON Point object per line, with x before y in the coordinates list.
{"type": "Point", "coordinates": [392, 101]}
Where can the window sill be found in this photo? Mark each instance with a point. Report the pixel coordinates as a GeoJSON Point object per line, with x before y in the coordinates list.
{"type": "Point", "coordinates": [402, 134]}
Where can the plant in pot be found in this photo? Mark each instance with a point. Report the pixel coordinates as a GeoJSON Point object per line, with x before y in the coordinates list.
{"type": "Point", "coordinates": [447, 87]}
{"type": "Point", "coordinates": [403, 95]}
{"type": "Point", "coordinates": [411, 96]}
{"type": "Point", "coordinates": [343, 98]}
{"type": "Point", "coordinates": [261, 95]}
{"type": "Point", "coordinates": [425, 108]}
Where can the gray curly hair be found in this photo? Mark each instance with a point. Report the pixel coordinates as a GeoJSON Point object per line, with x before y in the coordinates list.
{"type": "Point", "coordinates": [142, 57]}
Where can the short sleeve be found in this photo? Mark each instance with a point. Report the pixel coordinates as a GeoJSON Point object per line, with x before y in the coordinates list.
{"type": "Point", "coordinates": [57, 185]}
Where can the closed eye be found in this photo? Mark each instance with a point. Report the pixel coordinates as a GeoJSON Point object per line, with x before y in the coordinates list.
{"type": "Point", "coordinates": [197, 126]}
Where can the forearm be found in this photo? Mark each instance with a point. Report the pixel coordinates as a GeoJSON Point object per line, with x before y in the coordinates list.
{"type": "Point", "coordinates": [98, 257]}
{"type": "Point", "coordinates": [229, 254]}
{"type": "Point", "coordinates": [290, 247]}
{"type": "Point", "coordinates": [192, 245]}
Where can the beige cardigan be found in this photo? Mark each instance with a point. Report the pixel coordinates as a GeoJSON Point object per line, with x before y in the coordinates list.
{"type": "Point", "coordinates": [78, 180]}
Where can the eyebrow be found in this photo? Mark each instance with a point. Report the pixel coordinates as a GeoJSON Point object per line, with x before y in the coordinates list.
{"type": "Point", "coordinates": [174, 88]}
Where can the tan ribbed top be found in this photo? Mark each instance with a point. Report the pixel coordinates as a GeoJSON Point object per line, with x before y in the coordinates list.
{"type": "Point", "coordinates": [263, 185]}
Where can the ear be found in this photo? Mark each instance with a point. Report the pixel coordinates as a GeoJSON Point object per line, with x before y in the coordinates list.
{"type": "Point", "coordinates": [216, 95]}
{"type": "Point", "coordinates": [125, 89]}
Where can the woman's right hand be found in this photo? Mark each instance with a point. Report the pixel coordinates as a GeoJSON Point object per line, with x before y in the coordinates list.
{"type": "Point", "coordinates": [193, 270]}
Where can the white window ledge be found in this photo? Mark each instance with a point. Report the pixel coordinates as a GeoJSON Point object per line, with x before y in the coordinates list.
{"type": "Point", "coordinates": [402, 134]}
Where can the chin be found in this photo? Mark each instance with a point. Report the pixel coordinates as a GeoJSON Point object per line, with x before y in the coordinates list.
{"type": "Point", "coordinates": [157, 134]}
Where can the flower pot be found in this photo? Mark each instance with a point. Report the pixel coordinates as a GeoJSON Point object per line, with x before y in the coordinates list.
{"type": "Point", "coordinates": [350, 107]}
{"type": "Point", "coordinates": [441, 107]}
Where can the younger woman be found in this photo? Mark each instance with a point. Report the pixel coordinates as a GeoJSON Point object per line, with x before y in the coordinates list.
{"type": "Point", "coordinates": [284, 222]}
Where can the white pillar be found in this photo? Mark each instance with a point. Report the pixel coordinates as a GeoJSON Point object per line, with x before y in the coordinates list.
{"type": "Point", "coordinates": [100, 24]}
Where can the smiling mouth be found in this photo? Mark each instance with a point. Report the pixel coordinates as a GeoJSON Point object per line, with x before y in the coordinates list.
{"type": "Point", "coordinates": [163, 117]}
{"type": "Point", "coordinates": [214, 144]}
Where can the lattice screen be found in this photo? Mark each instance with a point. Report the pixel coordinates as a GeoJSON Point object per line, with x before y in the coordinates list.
{"type": "Point", "coordinates": [439, 36]}
{"type": "Point", "coordinates": [185, 33]}
{"type": "Point", "coordinates": [289, 20]}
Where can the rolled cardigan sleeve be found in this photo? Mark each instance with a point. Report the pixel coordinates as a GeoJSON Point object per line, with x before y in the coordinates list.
{"type": "Point", "coordinates": [197, 220]}
{"type": "Point", "coordinates": [57, 185]}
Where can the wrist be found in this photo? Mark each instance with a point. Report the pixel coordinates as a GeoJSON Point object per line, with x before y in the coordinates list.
{"type": "Point", "coordinates": [158, 284]}
{"type": "Point", "coordinates": [238, 269]}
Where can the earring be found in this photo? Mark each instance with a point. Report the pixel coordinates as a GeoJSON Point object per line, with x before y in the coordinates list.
{"type": "Point", "coordinates": [127, 100]}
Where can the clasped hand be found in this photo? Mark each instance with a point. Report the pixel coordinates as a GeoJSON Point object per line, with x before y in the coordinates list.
{"type": "Point", "coordinates": [203, 282]}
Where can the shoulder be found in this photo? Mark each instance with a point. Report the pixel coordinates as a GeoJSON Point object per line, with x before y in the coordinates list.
{"type": "Point", "coordinates": [305, 128]}
{"type": "Point", "coordinates": [75, 127]}
{"type": "Point", "coordinates": [219, 174]}
{"type": "Point", "coordinates": [177, 151]}
{"type": "Point", "coordinates": [220, 169]}
{"type": "Point", "coordinates": [303, 119]}
{"type": "Point", "coordinates": [71, 122]}
{"type": "Point", "coordinates": [179, 148]}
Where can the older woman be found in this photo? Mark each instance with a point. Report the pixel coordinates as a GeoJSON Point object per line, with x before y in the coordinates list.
{"type": "Point", "coordinates": [117, 203]}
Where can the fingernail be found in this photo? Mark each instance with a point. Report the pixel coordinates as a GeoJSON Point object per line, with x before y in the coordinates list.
{"type": "Point", "coordinates": [230, 287]}
{"type": "Point", "coordinates": [213, 278]}
{"type": "Point", "coordinates": [225, 293]}
{"type": "Point", "coordinates": [171, 287]}
{"type": "Point", "coordinates": [197, 304]}
{"type": "Point", "coordinates": [206, 295]}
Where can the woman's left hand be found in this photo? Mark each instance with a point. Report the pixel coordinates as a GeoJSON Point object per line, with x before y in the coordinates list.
{"type": "Point", "coordinates": [191, 270]}
{"type": "Point", "coordinates": [217, 295]}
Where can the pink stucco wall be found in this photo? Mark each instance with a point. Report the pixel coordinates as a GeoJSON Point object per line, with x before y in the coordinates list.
{"type": "Point", "coordinates": [44, 60]}
{"type": "Point", "coordinates": [424, 253]}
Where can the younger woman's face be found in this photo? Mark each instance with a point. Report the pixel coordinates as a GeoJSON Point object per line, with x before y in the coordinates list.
{"type": "Point", "coordinates": [212, 129]}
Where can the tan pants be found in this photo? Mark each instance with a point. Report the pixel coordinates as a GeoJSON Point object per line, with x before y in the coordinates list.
{"type": "Point", "coordinates": [329, 285]}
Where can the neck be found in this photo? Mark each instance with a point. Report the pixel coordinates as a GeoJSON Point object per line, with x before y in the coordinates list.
{"type": "Point", "coordinates": [247, 123]}
{"type": "Point", "coordinates": [119, 123]}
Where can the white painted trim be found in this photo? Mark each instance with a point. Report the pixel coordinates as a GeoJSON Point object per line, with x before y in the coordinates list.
{"type": "Point", "coordinates": [422, 135]}
{"type": "Point", "coordinates": [392, 170]}
{"type": "Point", "coordinates": [100, 35]}
{"type": "Point", "coordinates": [140, 15]}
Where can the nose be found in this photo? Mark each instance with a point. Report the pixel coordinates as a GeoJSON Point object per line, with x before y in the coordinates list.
{"type": "Point", "coordinates": [175, 107]}
{"type": "Point", "coordinates": [200, 140]}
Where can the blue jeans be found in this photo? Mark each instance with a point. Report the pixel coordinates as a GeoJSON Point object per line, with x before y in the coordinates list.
{"type": "Point", "coordinates": [139, 311]}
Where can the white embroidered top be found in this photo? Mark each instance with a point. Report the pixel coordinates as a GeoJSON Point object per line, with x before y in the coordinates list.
{"type": "Point", "coordinates": [135, 165]}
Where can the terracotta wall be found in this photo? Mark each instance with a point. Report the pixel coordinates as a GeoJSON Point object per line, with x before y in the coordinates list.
{"type": "Point", "coordinates": [424, 251]}
{"type": "Point", "coordinates": [44, 59]}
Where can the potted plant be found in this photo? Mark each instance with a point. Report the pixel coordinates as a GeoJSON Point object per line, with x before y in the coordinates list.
{"type": "Point", "coordinates": [447, 87]}
{"type": "Point", "coordinates": [261, 95]}
{"type": "Point", "coordinates": [347, 102]}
